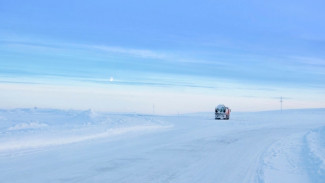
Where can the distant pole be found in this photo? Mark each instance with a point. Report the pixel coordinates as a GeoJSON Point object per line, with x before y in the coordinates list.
{"type": "Point", "coordinates": [153, 109]}
{"type": "Point", "coordinates": [281, 102]}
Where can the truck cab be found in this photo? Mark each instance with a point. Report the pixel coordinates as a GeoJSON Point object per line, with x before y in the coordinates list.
{"type": "Point", "coordinates": [222, 112]}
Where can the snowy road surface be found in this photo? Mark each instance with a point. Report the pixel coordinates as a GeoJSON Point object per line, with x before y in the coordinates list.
{"type": "Point", "coordinates": [43, 145]}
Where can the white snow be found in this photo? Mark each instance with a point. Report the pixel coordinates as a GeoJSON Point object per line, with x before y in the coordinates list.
{"type": "Point", "coordinates": [48, 145]}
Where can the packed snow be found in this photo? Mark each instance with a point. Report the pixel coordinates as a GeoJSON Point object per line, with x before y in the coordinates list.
{"type": "Point", "coordinates": [49, 145]}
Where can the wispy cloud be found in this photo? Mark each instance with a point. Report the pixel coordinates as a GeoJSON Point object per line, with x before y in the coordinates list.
{"type": "Point", "coordinates": [111, 59]}
{"type": "Point", "coordinates": [311, 61]}
{"type": "Point", "coordinates": [143, 53]}
{"type": "Point", "coordinates": [64, 47]}
{"type": "Point", "coordinates": [52, 45]}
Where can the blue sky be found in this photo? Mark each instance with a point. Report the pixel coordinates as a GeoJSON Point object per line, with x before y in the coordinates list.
{"type": "Point", "coordinates": [179, 56]}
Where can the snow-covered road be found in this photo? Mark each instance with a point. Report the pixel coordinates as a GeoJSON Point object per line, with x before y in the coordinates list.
{"type": "Point", "coordinates": [38, 145]}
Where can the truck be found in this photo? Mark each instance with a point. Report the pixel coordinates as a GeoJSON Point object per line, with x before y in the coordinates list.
{"type": "Point", "coordinates": [222, 112]}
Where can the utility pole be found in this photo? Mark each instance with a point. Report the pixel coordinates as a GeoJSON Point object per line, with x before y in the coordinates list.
{"type": "Point", "coordinates": [281, 102]}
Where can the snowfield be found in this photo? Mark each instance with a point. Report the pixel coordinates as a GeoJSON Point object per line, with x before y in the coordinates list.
{"type": "Point", "coordinates": [48, 145]}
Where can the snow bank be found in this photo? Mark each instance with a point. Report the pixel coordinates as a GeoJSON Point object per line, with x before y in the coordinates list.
{"type": "Point", "coordinates": [59, 127]}
{"type": "Point", "coordinates": [37, 142]}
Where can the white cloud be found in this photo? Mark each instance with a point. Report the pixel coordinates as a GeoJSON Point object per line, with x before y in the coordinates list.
{"type": "Point", "coordinates": [23, 126]}
{"type": "Point", "coordinates": [133, 52]}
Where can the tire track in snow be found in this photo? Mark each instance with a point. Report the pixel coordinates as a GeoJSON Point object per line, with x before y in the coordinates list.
{"type": "Point", "coordinates": [298, 158]}
{"type": "Point", "coordinates": [283, 161]}
{"type": "Point", "coordinates": [314, 152]}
